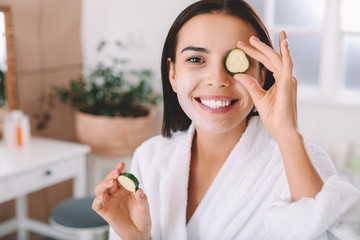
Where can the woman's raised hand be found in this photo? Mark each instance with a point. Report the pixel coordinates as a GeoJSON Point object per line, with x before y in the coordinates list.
{"type": "Point", "coordinates": [127, 213]}
{"type": "Point", "coordinates": [277, 106]}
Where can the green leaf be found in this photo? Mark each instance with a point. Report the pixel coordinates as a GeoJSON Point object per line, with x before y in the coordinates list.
{"type": "Point", "coordinates": [107, 91]}
{"type": "Point", "coordinates": [100, 46]}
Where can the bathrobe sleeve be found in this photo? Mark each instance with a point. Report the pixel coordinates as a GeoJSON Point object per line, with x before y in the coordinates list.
{"type": "Point", "coordinates": [113, 235]}
{"type": "Point", "coordinates": [333, 214]}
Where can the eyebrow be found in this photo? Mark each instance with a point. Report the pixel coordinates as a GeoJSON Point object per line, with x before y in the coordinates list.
{"type": "Point", "coordinates": [197, 49]}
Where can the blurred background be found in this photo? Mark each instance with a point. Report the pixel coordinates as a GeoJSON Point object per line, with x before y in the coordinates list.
{"type": "Point", "coordinates": [55, 41]}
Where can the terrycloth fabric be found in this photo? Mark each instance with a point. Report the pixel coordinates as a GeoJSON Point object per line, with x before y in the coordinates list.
{"type": "Point", "coordinates": [248, 199]}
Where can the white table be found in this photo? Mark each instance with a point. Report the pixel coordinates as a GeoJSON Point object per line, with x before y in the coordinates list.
{"type": "Point", "coordinates": [43, 163]}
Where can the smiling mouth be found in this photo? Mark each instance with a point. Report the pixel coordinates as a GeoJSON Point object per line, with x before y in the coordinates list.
{"type": "Point", "coordinates": [216, 104]}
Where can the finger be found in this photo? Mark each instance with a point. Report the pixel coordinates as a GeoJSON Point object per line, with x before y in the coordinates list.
{"type": "Point", "coordinates": [287, 60]}
{"type": "Point", "coordinates": [97, 205]}
{"type": "Point", "coordinates": [142, 201]}
{"type": "Point", "coordinates": [295, 98]}
{"type": "Point", "coordinates": [112, 176]}
{"type": "Point", "coordinates": [108, 185]}
{"type": "Point", "coordinates": [282, 37]}
{"type": "Point", "coordinates": [256, 54]}
{"type": "Point", "coordinates": [121, 166]}
{"type": "Point", "coordinates": [117, 171]}
{"type": "Point", "coordinates": [294, 85]}
{"type": "Point", "coordinates": [267, 51]}
{"type": "Point", "coordinates": [142, 210]}
{"type": "Point", "coordinates": [113, 187]}
{"type": "Point", "coordinates": [252, 86]}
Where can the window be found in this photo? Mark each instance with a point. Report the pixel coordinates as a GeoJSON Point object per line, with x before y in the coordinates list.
{"type": "Point", "coordinates": [350, 26]}
{"type": "Point", "coordinates": [303, 22]}
{"type": "Point", "coordinates": [352, 61]}
{"type": "Point", "coordinates": [324, 39]}
{"type": "Point", "coordinates": [2, 43]}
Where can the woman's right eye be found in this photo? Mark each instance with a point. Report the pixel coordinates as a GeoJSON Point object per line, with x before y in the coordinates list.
{"type": "Point", "coordinates": [195, 60]}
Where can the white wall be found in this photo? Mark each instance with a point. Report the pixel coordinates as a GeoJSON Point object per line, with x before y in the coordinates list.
{"type": "Point", "coordinates": [331, 125]}
{"type": "Point", "coordinates": [141, 24]}
{"type": "Point", "coordinates": [144, 25]}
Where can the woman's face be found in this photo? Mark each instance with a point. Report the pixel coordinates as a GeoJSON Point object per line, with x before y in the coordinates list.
{"type": "Point", "coordinates": [207, 93]}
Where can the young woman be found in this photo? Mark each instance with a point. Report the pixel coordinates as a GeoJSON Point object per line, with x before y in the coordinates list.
{"type": "Point", "coordinates": [231, 163]}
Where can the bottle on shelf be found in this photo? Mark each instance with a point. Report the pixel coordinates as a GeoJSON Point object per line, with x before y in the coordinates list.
{"type": "Point", "coordinates": [16, 129]}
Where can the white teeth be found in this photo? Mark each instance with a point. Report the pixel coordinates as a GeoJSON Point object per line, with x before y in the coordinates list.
{"type": "Point", "coordinates": [215, 104]}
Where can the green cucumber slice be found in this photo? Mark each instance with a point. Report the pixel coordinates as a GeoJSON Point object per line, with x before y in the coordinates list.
{"type": "Point", "coordinates": [236, 61]}
{"type": "Point", "coordinates": [129, 182]}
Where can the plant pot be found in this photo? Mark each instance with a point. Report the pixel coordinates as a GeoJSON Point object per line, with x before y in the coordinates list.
{"type": "Point", "coordinates": [114, 136]}
{"type": "Point", "coordinates": [3, 111]}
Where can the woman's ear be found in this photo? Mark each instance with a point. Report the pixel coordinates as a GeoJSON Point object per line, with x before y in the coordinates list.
{"type": "Point", "coordinates": [172, 74]}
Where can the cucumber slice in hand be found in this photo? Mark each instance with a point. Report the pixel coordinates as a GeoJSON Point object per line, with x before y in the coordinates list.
{"type": "Point", "coordinates": [129, 182]}
{"type": "Point", "coordinates": [236, 61]}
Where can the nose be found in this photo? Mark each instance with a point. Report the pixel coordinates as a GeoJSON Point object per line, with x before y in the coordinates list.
{"type": "Point", "coordinates": [219, 77]}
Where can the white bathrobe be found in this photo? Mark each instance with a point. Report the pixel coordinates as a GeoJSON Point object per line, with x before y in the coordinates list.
{"type": "Point", "coordinates": [248, 199]}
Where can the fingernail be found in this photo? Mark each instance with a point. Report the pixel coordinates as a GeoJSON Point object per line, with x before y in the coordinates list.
{"type": "Point", "coordinates": [286, 43]}
{"type": "Point", "coordinates": [115, 172]}
{"type": "Point", "coordinates": [109, 182]}
{"type": "Point", "coordinates": [285, 34]}
{"type": "Point", "coordinates": [99, 198]}
{"type": "Point", "coordinates": [255, 38]}
{"type": "Point", "coordinates": [242, 43]}
{"type": "Point", "coordinates": [142, 194]}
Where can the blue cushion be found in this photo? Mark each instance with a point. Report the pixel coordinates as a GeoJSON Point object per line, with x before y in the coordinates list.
{"type": "Point", "coordinates": [77, 213]}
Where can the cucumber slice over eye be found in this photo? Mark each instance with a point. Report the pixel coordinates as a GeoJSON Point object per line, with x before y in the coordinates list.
{"type": "Point", "coordinates": [236, 61]}
{"type": "Point", "coordinates": [129, 182]}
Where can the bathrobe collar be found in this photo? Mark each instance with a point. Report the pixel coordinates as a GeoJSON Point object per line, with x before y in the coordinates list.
{"type": "Point", "coordinates": [174, 186]}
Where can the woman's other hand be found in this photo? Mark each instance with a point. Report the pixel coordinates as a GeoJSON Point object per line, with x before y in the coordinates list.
{"type": "Point", "coordinates": [127, 213]}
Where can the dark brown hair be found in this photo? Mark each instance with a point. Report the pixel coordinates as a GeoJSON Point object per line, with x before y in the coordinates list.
{"type": "Point", "coordinates": [174, 118]}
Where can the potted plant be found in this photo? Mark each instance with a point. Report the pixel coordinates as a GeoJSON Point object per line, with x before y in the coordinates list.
{"type": "Point", "coordinates": [115, 106]}
{"type": "Point", "coordinates": [2, 89]}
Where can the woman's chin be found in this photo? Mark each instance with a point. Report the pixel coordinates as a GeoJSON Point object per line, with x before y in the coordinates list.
{"type": "Point", "coordinates": [215, 127]}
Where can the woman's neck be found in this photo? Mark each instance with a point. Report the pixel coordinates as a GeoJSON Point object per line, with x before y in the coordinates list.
{"type": "Point", "coordinates": [214, 148]}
